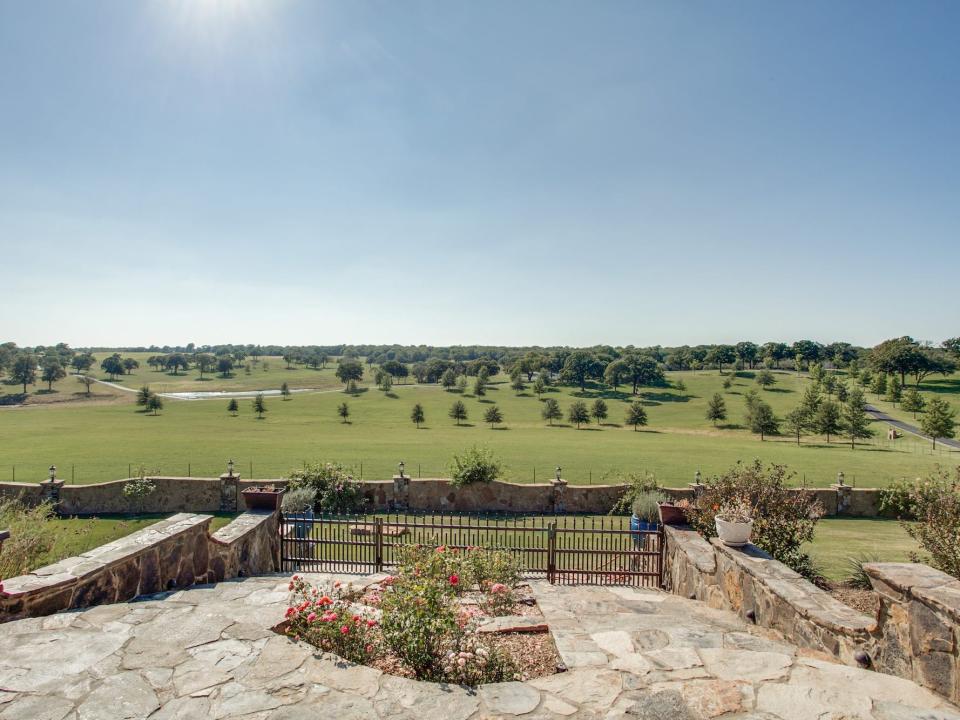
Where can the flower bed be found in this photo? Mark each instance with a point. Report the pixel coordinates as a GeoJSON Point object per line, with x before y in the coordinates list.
{"type": "Point", "coordinates": [433, 620]}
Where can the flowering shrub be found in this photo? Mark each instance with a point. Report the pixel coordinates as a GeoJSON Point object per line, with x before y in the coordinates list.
{"type": "Point", "coordinates": [336, 490]}
{"type": "Point", "coordinates": [471, 662]}
{"type": "Point", "coordinates": [485, 567]}
{"type": "Point", "coordinates": [325, 617]}
{"type": "Point", "coordinates": [783, 518]}
{"type": "Point", "coordinates": [498, 599]}
{"type": "Point", "coordinates": [934, 502]}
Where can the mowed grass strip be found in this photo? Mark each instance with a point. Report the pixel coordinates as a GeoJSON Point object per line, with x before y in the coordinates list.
{"type": "Point", "coordinates": [96, 443]}
{"type": "Point", "coordinates": [838, 539]}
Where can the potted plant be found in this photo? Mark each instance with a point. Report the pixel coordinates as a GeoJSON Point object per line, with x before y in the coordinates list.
{"type": "Point", "coordinates": [297, 505]}
{"type": "Point", "coordinates": [262, 497]}
{"type": "Point", "coordinates": [674, 513]}
{"type": "Point", "coordinates": [644, 515]}
{"type": "Point", "coordinates": [734, 521]}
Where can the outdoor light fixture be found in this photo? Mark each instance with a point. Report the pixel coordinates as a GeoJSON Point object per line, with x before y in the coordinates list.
{"type": "Point", "coordinates": [840, 478]}
{"type": "Point", "coordinates": [401, 466]}
{"type": "Point", "coordinates": [230, 468]}
{"type": "Point", "coordinates": [558, 472]}
{"type": "Point", "coordinates": [53, 472]}
{"type": "Point", "coordinates": [696, 477]}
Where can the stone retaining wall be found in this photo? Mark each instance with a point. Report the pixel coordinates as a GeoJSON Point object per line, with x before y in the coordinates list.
{"type": "Point", "coordinates": [181, 494]}
{"type": "Point", "coordinates": [915, 635]}
{"type": "Point", "coordinates": [173, 553]}
{"type": "Point", "coordinates": [919, 624]}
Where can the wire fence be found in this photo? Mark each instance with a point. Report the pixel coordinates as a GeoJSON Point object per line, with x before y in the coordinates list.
{"type": "Point", "coordinates": [378, 469]}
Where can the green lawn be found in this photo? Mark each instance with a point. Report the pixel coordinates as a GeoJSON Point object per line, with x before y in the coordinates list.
{"type": "Point", "coordinates": [97, 442]}
{"type": "Point", "coordinates": [838, 539]}
{"type": "Point", "coordinates": [946, 388]}
{"type": "Point", "coordinates": [77, 535]}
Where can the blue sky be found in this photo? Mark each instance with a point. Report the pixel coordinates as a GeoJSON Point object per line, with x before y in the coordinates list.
{"type": "Point", "coordinates": [496, 172]}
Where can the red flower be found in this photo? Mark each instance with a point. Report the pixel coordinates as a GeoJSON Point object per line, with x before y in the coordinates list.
{"type": "Point", "coordinates": [454, 579]}
{"type": "Point", "coordinates": [311, 617]}
{"type": "Point", "coordinates": [325, 600]}
{"type": "Point", "coordinates": [441, 548]}
{"type": "Point", "coordinates": [371, 623]}
{"type": "Point", "coordinates": [289, 612]}
{"type": "Point", "coordinates": [345, 629]}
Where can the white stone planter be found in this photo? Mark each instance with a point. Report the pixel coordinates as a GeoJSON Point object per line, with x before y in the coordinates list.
{"type": "Point", "coordinates": [734, 534]}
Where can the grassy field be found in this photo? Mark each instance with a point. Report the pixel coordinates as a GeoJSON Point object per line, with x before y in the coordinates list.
{"type": "Point", "coordinates": [946, 388]}
{"type": "Point", "coordinates": [838, 539]}
{"type": "Point", "coordinates": [73, 536]}
{"type": "Point", "coordinates": [94, 442]}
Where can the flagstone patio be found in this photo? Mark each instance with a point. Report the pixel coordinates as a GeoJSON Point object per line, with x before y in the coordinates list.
{"type": "Point", "coordinates": [208, 652]}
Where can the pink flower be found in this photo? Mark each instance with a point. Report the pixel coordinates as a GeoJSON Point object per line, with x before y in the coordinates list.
{"type": "Point", "coordinates": [454, 579]}
{"type": "Point", "coordinates": [368, 649]}
{"type": "Point", "coordinates": [498, 588]}
{"type": "Point", "coordinates": [325, 600]}
{"type": "Point", "coordinates": [290, 586]}
{"type": "Point", "coordinates": [296, 577]}
{"type": "Point", "coordinates": [289, 612]}
{"type": "Point", "coordinates": [345, 629]}
{"type": "Point", "coordinates": [311, 617]}
{"type": "Point", "coordinates": [371, 623]}
{"type": "Point", "coordinates": [328, 617]}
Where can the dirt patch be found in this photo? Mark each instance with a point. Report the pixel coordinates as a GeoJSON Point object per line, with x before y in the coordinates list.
{"type": "Point", "coordinates": [865, 601]}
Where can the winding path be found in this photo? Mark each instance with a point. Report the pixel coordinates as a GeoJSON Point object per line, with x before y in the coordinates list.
{"type": "Point", "coordinates": [878, 414]}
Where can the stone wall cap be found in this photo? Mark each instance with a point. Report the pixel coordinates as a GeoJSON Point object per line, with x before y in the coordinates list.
{"type": "Point", "coordinates": [930, 586]}
{"type": "Point", "coordinates": [806, 598]}
{"type": "Point", "coordinates": [695, 546]}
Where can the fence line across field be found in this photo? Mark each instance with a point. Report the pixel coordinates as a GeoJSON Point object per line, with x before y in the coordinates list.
{"type": "Point", "coordinates": [561, 548]}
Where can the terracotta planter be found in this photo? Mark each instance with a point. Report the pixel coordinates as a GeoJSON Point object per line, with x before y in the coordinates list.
{"type": "Point", "coordinates": [262, 498]}
{"type": "Point", "coordinates": [734, 534]}
{"type": "Point", "coordinates": [671, 514]}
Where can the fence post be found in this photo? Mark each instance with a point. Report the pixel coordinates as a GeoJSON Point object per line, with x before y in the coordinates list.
{"type": "Point", "coordinates": [552, 552]}
{"type": "Point", "coordinates": [378, 544]}
{"type": "Point", "coordinates": [662, 538]}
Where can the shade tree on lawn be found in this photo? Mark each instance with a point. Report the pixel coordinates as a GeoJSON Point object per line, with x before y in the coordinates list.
{"type": "Point", "coordinates": [599, 410]}
{"type": "Point", "coordinates": [493, 415]}
{"type": "Point", "coordinates": [636, 415]}
{"type": "Point", "coordinates": [856, 422]}
{"type": "Point", "coordinates": [578, 413]}
{"type": "Point", "coordinates": [912, 401]}
{"type": "Point", "coordinates": [417, 415]}
{"type": "Point", "coordinates": [458, 412]}
{"type": "Point", "coordinates": [716, 409]}
{"type": "Point", "coordinates": [259, 406]}
{"type": "Point", "coordinates": [551, 410]}
{"type": "Point", "coordinates": [939, 420]}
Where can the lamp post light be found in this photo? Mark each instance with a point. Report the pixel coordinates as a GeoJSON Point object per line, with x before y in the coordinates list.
{"type": "Point", "coordinates": [697, 477]}
{"type": "Point", "coordinates": [401, 466]}
{"type": "Point", "coordinates": [53, 472]}
{"type": "Point", "coordinates": [558, 472]}
{"type": "Point", "coordinates": [840, 478]}
{"type": "Point", "coordinates": [230, 468]}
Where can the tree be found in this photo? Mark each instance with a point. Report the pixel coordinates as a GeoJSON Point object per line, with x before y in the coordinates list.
{"type": "Point", "coordinates": [578, 368]}
{"type": "Point", "coordinates": [449, 379]}
{"type": "Point", "coordinates": [827, 419]}
{"type": "Point", "coordinates": [855, 419]}
{"type": "Point", "coordinates": [797, 421]}
{"type": "Point", "coordinates": [493, 416]}
{"type": "Point", "coordinates": [843, 392]}
{"type": "Point", "coordinates": [52, 371]}
{"type": "Point", "coordinates": [176, 361]}
{"type": "Point", "coordinates": [912, 401]}
{"type": "Point", "coordinates": [636, 415]}
{"type": "Point", "coordinates": [763, 421]}
{"type": "Point", "coordinates": [143, 396]}
{"type": "Point", "coordinates": [112, 365]}
{"type": "Point", "coordinates": [894, 390]}
{"type": "Point", "coordinates": [224, 365]}
{"type": "Point", "coordinates": [129, 365]}
{"type": "Point", "coordinates": [259, 406]}
{"type": "Point", "coordinates": [810, 401]}
{"type": "Point", "coordinates": [615, 373]}
{"type": "Point", "coordinates": [641, 369]}
{"type": "Point", "coordinates": [551, 410]}
{"type": "Point", "coordinates": [462, 383]}
{"type": "Point", "coordinates": [578, 413]}
{"type": "Point", "coordinates": [539, 387]}
{"type": "Point", "coordinates": [233, 407]}
{"type": "Point", "coordinates": [205, 363]}
{"type": "Point", "coordinates": [87, 381]}
{"type": "Point", "coordinates": [720, 355]}
{"type": "Point", "coordinates": [680, 385]}
{"type": "Point", "coordinates": [285, 391]}
{"type": "Point", "coordinates": [765, 379]}
{"type": "Point", "coordinates": [747, 353]}
{"type": "Point", "coordinates": [599, 410]}
{"type": "Point", "coordinates": [939, 420]}
{"type": "Point", "coordinates": [343, 410]}
{"type": "Point", "coordinates": [155, 404]}
{"type": "Point", "coordinates": [417, 415]}
{"type": "Point", "coordinates": [458, 411]}
{"type": "Point", "coordinates": [82, 362]}
{"type": "Point", "coordinates": [349, 369]}
{"type": "Point", "coordinates": [396, 369]}
{"type": "Point", "coordinates": [716, 408]}
{"type": "Point", "coordinates": [727, 382]}
{"type": "Point", "coordinates": [517, 384]}
{"type": "Point", "coordinates": [386, 382]}
{"type": "Point", "coordinates": [878, 386]}
{"type": "Point", "coordinates": [479, 386]}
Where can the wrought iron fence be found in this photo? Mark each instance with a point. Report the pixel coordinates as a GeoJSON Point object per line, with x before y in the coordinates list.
{"type": "Point", "coordinates": [561, 548]}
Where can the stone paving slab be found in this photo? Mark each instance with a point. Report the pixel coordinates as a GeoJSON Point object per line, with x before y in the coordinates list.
{"type": "Point", "coordinates": [207, 652]}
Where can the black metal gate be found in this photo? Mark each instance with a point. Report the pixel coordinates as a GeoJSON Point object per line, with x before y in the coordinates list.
{"type": "Point", "coordinates": [577, 549]}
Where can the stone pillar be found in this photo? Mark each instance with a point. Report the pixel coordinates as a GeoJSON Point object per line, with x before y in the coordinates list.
{"type": "Point", "coordinates": [844, 497]}
{"type": "Point", "coordinates": [401, 492]}
{"type": "Point", "coordinates": [229, 492]}
{"type": "Point", "coordinates": [557, 487]}
{"type": "Point", "coordinates": [51, 492]}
